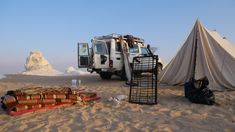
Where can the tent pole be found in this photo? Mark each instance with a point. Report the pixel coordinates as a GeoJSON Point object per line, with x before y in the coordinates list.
{"type": "Point", "coordinates": [195, 58]}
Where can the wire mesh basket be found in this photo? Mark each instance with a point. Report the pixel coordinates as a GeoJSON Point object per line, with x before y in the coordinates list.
{"type": "Point", "coordinates": [143, 86]}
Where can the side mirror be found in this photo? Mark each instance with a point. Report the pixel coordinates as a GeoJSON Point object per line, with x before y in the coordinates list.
{"type": "Point", "coordinates": [150, 52]}
{"type": "Point", "coordinates": [148, 46]}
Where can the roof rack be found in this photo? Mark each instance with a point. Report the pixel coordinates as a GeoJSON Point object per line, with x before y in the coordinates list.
{"type": "Point", "coordinates": [117, 36]}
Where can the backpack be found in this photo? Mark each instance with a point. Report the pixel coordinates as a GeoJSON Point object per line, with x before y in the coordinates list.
{"type": "Point", "coordinates": [197, 91]}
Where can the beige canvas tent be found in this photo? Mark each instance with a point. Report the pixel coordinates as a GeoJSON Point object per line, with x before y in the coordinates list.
{"type": "Point", "coordinates": [204, 53]}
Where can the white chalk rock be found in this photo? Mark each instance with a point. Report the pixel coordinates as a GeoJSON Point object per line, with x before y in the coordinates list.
{"type": "Point", "coordinates": [37, 64]}
{"type": "Point", "coordinates": [71, 70]}
{"type": "Point", "coordinates": [2, 76]}
{"type": "Point", "coordinates": [74, 71]}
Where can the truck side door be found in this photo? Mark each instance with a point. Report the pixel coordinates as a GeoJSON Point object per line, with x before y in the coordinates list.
{"type": "Point", "coordinates": [116, 55]}
{"type": "Point", "coordinates": [101, 56]}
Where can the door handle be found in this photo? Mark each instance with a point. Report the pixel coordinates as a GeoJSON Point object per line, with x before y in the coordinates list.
{"type": "Point", "coordinates": [118, 58]}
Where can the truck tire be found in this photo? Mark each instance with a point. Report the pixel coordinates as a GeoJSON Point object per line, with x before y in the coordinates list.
{"type": "Point", "coordinates": [105, 75]}
{"type": "Point", "coordinates": [123, 74]}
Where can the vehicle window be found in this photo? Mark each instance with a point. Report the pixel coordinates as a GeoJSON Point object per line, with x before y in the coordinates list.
{"type": "Point", "coordinates": [144, 50]}
{"type": "Point", "coordinates": [134, 49]}
{"type": "Point", "coordinates": [100, 48]}
{"type": "Point", "coordinates": [83, 49]}
{"type": "Point", "coordinates": [118, 47]}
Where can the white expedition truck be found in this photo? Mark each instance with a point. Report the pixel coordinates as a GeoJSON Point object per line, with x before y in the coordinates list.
{"type": "Point", "coordinates": [105, 56]}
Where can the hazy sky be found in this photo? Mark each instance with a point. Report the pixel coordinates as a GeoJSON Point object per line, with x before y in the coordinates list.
{"type": "Point", "coordinates": [54, 27]}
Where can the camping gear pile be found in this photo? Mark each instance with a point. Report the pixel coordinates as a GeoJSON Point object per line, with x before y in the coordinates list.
{"type": "Point", "coordinates": [33, 99]}
{"type": "Point", "coordinates": [197, 91]}
{"type": "Point", "coordinates": [143, 86]}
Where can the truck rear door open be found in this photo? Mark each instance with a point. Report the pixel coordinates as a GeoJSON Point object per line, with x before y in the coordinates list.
{"type": "Point", "coordinates": [83, 55]}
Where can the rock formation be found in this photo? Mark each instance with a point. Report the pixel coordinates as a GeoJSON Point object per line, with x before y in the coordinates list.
{"type": "Point", "coordinates": [74, 71]}
{"type": "Point", "coordinates": [36, 64]}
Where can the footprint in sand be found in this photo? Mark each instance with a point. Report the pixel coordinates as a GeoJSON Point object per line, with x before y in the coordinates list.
{"type": "Point", "coordinates": [175, 114]}
{"type": "Point", "coordinates": [164, 128]}
{"type": "Point", "coordinates": [228, 130]}
{"type": "Point", "coordinates": [164, 110]}
{"type": "Point", "coordinates": [188, 112]}
{"type": "Point", "coordinates": [195, 116]}
{"type": "Point", "coordinates": [85, 116]}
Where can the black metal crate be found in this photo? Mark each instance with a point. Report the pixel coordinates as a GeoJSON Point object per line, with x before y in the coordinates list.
{"type": "Point", "coordinates": [143, 86]}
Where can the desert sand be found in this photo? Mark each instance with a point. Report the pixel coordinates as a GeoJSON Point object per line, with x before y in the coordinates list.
{"type": "Point", "coordinates": [172, 113]}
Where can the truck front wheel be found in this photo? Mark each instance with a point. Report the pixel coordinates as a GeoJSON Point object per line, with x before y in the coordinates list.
{"type": "Point", "coordinates": [105, 75]}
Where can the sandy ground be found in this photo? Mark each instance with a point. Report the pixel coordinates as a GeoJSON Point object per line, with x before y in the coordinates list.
{"type": "Point", "coordinates": [172, 113]}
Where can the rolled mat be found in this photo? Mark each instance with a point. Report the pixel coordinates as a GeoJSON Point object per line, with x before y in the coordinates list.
{"type": "Point", "coordinates": [35, 96]}
{"type": "Point", "coordinates": [21, 107]}
{"type": "Point", "coordinates": [35, 106]}
{"type": "Point", "coordinates": [48, 105]}
{"type": "Point", "coordinates": [48, 101]}
{"type": "Point", "coordinates": [18, 92]}
{"type": "Point", "coordinates": [9, 99]}
{"type": "Point", "coordinates": [9, 106]}
{"type": "Point", "coordinates": [73, 97]}
{"type": "Point", "coordinates": [23, 97]}
{"type": "Point", "coordinates": [64, 101]}
{"type": "Point", "coordinates": [50, 96]}
{"type": "Point", "coordinates": [60, 96]}
{"type": "Point", "coordinates": [28, 102]}
{"type": "Point", "coordinates": [14, 113]}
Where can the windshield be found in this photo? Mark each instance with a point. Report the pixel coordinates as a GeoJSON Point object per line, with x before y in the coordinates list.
{"type": "Point", "coordinates": [144, 50]}
{"type": "Point", "coordinates": [100, 48]}
{"type": "Point", "coordinates": [134, 49]}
